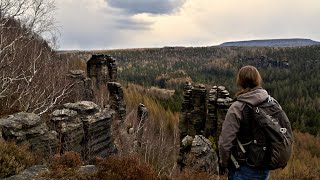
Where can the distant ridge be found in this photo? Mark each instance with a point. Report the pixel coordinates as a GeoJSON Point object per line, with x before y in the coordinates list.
{"type": "Point", "coordinates": [273, 43]}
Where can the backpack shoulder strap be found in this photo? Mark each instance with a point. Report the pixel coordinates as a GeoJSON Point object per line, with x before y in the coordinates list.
{"type": "Point", "coordinates": [270, 101]}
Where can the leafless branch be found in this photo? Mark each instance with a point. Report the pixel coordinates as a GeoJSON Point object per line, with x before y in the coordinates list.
{"type": "Point", "coordinates": [30, 76]}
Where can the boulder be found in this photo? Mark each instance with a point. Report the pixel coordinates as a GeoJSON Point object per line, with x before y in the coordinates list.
{"type": "Point", "coordinates": [82, 106]}
{"type": "Point", "coordinates": [20, 121]}
{"type": "Point", "coordinates": [221, 88]}
{"type": "Point", "coordinates": [30, 173]}
{"type": "Point", "coordinates": [22, 126]}
{"type": "Point", "coordinates": [202, 156]}
{"type": "Point", "coordinates": [28, 128]}
{"type": "Point", "coordinates": [64, 112]}
{"type": "Point", "coordinates": [88, 169]}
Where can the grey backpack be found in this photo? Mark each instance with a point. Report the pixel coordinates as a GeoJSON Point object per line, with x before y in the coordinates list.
{"type": "Point", "coordinates": [271, 137]}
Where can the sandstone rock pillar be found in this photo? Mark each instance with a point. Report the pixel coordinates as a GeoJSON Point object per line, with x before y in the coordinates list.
{"type": "Point", "coordinates": [142, 117]}
{"type": "Point", "coordinates": [101, 69]}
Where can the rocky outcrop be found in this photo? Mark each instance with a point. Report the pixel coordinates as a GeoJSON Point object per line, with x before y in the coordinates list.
{"type": "Point", "coordinates": [81, 86]}
{"type": "Point", "coordinates": [203, 113]}
{"type": "Point", "coordinates": [101, 69]}
{"type": "Point", "coordinates": [98, 85]}
{"type": "Point", "coordinates": [30, 173]}
{"type": "Point", "coordinates": [116, 101]}
{"type": "Point", "coordinates": [34, 172]}
{"type": "Point", "coordinates": [193, 110]}
{"type": "Point", "coordinates": [142, 117]}
{"type": "Point", "coordinates": [28, 128]}
{"type": "Point", "coordinates": [203, 110]}
{"type": "Point", "coordinates": [85, 128]}
{"type": "Point", "coordinates": [98, 140]}
{"type": "Point", "coordinates": [82, 127]}
{"type": "Point", "coordinates": [199, 155]}
{"type": "Point", "coordinates": [223, 103]}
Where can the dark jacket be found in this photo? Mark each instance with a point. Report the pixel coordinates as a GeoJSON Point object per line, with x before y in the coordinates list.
{"type": "Point", "coordinates": [231, 124]}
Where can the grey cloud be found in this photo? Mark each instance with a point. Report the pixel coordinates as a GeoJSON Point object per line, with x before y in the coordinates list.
{"type": "Point", "coordinates": [147, 6]}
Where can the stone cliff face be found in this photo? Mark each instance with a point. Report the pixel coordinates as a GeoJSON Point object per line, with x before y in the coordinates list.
{"type": "Point", "coordinates": [116, 100]}
{"type": "Point", "coordinates": [101, 69]}
{"type": "Point", "coordinates": [82, 127]}
{"type": "Point", "coordinates": [82, 86]}
{"type": "Point", "coordinates": [85, 128]}
{"type": "Point", "coordinates": [28, 128]}
{"type": "Point", "coordinates": [203, 112]}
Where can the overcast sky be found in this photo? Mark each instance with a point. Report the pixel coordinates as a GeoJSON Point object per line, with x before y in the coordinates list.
{"type": "Point", "coordinates": [110, 24]}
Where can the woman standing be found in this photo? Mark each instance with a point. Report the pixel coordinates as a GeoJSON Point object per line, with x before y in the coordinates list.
{"type": "Point", "coordinates": [237, 128]}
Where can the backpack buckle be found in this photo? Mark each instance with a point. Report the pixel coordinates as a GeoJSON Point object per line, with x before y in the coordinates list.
{"type": "Point", "coordinates": [235, 162]}
{"type": "Point", "coordinates": [283, 130]}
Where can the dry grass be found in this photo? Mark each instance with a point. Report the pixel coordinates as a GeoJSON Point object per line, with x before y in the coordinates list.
{"type": "Point", "coordinates": [152, 91]}
{"type": "Point", "coordinates": [160, 137]}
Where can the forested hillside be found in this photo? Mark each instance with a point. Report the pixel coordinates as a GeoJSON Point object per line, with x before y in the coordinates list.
{"type": "Point", "coordinates": [294, 42]}
{"type": "Point", "coordinates": [296, 85]}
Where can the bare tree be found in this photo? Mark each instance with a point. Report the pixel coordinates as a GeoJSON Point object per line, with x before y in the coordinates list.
{"type": "Point", "coordinates": [31, 77]}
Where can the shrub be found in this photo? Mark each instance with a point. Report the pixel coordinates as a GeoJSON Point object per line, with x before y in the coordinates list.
{"type": "Point", "coordinates": [65, 166]}
{"type": "Point", "coordinates": [69, 159]}
{"type": "Point", "coordinates": [129, 167]}
{"type": "Point", "coordinates": [14, 159]}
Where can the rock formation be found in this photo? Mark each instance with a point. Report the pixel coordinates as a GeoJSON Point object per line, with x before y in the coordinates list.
{"type": "Point", "coordinates": [35, 171]}
{"type": "Point", "coordinates": [85, 128]}
{"type": "Point", "coordinates": [82, 86]}
{"type": "Point", "coordinates": [203, 113]}
{"type": "Point", "coordinates": [30, 173]}
{"type": "Point", "coordinates": [199, 155]}
{"type": "Point", "coordinates": [101, 69]}
{"type": "Point", "coordinates": [116, 100]}
{"type": "Point", "coordinates": [142, 117]}
{"type": "Point", "coordinates": [98, 85]}
{"type": "Point", "coordinates": [82, 127]}
{"type": "Point", "coordinates": [193, 111]}
{"type": "Point", "coordinates": [28, 128]}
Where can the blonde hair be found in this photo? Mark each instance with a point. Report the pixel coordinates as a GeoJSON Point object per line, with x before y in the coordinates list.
{"type": "Point", "coordinates": [248, 78]}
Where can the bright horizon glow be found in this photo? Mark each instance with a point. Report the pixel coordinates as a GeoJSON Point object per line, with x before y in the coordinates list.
{"type": "Point", "coordinates": [121, 24]}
